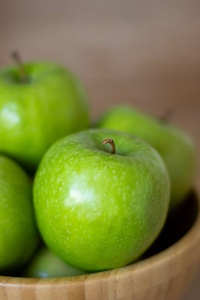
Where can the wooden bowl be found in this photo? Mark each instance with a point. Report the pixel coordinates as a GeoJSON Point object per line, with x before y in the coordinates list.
{"type": "Point", "coordinates": [164, 272]}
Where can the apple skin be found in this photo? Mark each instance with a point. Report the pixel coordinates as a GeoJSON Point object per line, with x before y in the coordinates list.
{"type": "Point", "coordinates": [19, 237]}
{"type": "Point", "coordinates": [46, 265]}
{"type": "Point", "coordinates": [97, 210]}
{"type": "Point", "coordinates": [175, 146]}
{"type": "Point", "coordinates": [35, 114]}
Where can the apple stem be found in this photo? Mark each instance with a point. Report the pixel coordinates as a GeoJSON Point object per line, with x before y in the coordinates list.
{"type": "Point", "coordinates": [166, 116]}
{"type": "Point", "coordinates": [18, 60]}
{"type": "Point", "coordinates": [112, 144]}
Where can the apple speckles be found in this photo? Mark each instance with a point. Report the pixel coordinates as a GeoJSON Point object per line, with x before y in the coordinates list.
{"type": "Point", "coordinates": [98, 201]}
{"type": "Point", "coordinates": [133, 193]}
{"type": "Point", "coordinates": [58, 180]}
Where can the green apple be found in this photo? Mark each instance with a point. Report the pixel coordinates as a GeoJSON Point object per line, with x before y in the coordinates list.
{"type": "Point", "coordinates": [19, 236]}
{"type": "Point", "coordinates": [34, 113]}
{"type": "Point", "coordinates": [175, 146]}
{"type": "Point", "coordinates": [46, 265]}
{"type": "Point", "coordinates": [98, 210]}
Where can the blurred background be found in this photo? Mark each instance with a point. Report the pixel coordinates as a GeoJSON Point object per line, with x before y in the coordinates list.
{"type": "Point", "coordinates": [143, 53]}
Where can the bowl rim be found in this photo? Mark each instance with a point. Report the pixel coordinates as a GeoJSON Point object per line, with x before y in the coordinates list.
{"type": "Point", "coordinates": [183, 244]}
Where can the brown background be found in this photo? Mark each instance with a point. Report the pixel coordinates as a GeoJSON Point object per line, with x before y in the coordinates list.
{"type": "Point", "coordinates": [145, 53]}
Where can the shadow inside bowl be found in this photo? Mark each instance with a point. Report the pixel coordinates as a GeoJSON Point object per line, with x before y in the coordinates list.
{"type": "Point", "coordinates": [178, 223]}
{"type": "Point", "coordinates": [164, 272]}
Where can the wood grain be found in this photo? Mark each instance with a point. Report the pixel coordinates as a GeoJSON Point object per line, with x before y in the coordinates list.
{"type": "Point", "coordinates": [163, 276]}
{"type": "Point", "coordinates": [143, 53]}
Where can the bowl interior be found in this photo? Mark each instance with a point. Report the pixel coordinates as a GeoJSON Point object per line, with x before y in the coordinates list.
{"type": "Point", "coordinates": [178, 223]}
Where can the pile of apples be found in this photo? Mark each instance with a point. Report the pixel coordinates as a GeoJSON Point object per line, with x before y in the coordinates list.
{"type": "Point", "coordinates": [96, 197]}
